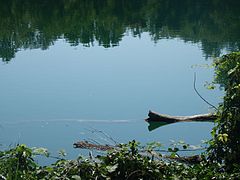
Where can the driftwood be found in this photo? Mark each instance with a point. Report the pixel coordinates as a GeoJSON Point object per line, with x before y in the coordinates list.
{"type": "Point", "coordinates": [156, 120]}
{"type": "Point", "coordinates": [155, 117]}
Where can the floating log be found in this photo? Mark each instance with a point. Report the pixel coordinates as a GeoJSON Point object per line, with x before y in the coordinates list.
{"type": "Point", "coordinates": [155, 117]}
{"type": "Point", "coordinates": [87, 145]}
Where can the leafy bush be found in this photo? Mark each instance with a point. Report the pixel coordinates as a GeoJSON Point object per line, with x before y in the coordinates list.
{"type": "Point", "coordinates": [129, 161]}
{"type": "Point", "coordinates": [17, 163]}
{"type": "Point", "coordinates": [225, 146]}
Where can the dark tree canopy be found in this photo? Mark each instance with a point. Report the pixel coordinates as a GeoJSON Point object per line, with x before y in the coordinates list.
{"type": "Point", "coordinates": [214, 24]}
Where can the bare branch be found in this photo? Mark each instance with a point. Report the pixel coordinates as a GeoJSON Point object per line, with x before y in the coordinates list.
{"type": "Point", "coordinates": [194, 86]}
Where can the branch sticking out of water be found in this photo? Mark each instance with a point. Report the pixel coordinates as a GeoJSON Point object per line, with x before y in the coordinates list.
{"type": "Point", "coordinates": [195, 89]}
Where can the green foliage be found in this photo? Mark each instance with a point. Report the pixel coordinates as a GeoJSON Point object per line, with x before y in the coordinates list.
{"type": "Point", "coordinates": [209, 86]}
{"type": "Point", "coordinates": [128, 161]}
{"type": "Point", "coordinates": [17, 163]}
{"type": "Point", "coordinates": [225, 146]}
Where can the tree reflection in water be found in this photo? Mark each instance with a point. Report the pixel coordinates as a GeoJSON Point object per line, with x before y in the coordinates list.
{"type": "Point", "coordinates": [214, 24]}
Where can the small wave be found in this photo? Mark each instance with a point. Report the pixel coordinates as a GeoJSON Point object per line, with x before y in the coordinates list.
{"type": "Point", "coordinates": [72, 120]}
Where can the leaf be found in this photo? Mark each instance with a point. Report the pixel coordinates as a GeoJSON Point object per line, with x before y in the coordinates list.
{"type": "Point", "coordinates": [220, 138]}
{"type": "Point", "coordinates": [76, 177]}
{"type": "Point", "coordinates": [48, 169]}
{"type": "Point", "coordinates": [41, 151]}
{"type": "Point", "coordinates": [213, 132]}
{"type": "Point", "coordinates": [232, 71]}
{"type": "Point", "coordinates": [225, 137]}
{"type": "Point", "coordinates": [209, 86]}
{"type": "Point", "coordinates": [176, 149]}
{"type": "Point", "coordinates": [62, 153]}
{"type": "Point", "coordinates": [173, 155]}
{"type": "Point", "coordinates": [111, 169]}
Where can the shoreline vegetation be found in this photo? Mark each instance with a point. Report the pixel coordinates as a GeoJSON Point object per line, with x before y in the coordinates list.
{"type": "Point", "coordinates": [221, 160]}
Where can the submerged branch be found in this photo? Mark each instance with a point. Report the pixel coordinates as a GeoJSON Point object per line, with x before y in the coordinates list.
{"type": "Point", "coordinates": [195, 89]}
{"type": "Point", "coordinates": [145, 152]}
{"type": "Point", "coordinates": [87, 145]}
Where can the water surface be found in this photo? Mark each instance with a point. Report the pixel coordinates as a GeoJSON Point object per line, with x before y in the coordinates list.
{"type": "Point", "coordinates": [73, 69]}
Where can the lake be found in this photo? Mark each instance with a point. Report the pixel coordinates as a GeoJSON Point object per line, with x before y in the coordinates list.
{"type": "Point", "coordinates": [84, 70]}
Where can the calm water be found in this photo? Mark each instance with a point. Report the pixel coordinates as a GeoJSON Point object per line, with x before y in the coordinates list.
{"type": "Point", "coordinates": [79, 67]}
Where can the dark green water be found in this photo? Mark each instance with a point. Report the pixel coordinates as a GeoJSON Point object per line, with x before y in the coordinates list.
{"type": "Point", "coordinates": [70, 67]}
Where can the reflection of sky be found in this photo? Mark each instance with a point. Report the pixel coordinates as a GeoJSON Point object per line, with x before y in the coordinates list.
{"type": "Point", "coordinates": [120, 83]}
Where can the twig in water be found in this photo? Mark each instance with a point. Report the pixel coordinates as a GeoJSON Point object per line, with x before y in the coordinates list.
{"type": "Point", "coordinates": [92, 141]}
{"type": "Point", "coordinates": [194, 86]}
{"type": "Point", "coordinates": [107, 137]}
